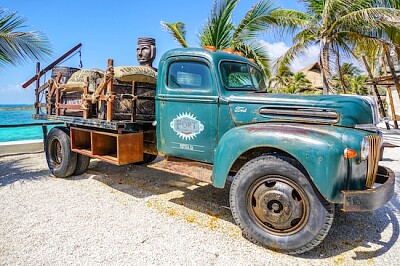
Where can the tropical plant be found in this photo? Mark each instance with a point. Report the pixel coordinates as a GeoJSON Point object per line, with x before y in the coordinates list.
{"type": "Point", "coordinates": [220, 31]}
{"type": "Point", "coordinates": [17, 46]}
{"type": "Point", "coordinates": [299, 84]}
{"type": "Point", "coordinates": [346, 72]}
{"type": "Point", "coordinates": [357, 85]}
{"type": "Point", "coordinates": [281, 80]}
{"type": "Point", "coordinates": [337, 26]}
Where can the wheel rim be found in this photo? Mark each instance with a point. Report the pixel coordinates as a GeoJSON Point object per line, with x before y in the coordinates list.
{"type": "Point", "coordinates": [278, 205]}
{"type": "Point", "coordinates": [56, 152]}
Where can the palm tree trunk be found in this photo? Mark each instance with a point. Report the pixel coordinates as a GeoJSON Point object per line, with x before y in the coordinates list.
{"type": "Point", "coordinates": [325, 68]}
{"type": "Point", "coordinates": [340, 72]}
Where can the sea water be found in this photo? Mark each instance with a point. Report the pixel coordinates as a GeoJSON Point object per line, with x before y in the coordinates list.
{"type": "Point", "coordinates": [12, 114]}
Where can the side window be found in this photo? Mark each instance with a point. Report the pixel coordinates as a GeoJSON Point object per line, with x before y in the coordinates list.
{"type": "Point", "coordinates": [235, 75]}
{"type": "Point", "coordinates": [189, 75]}
{"type": "Point", "coordinates": [258, 80]}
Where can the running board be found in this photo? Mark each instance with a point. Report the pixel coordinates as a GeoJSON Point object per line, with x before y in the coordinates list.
{"type": "Point", "coordinates": [193, 169]}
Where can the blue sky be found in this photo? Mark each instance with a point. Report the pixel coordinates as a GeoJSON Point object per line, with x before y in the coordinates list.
{"type": "Point", "coordinates": [110, 30]}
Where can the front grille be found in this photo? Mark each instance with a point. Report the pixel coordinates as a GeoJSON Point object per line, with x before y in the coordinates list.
{"type": "Point", "coordinates": [373, 159]}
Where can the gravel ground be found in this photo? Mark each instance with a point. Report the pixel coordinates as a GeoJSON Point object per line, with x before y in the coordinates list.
{"type": "Point", "coordinates": [132, 215]}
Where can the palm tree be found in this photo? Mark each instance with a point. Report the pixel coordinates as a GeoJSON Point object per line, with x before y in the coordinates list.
{"type": "Point", "coordinates": [337, 26]}
{"type": "Point", "coordinates": [16, 46]}
{"type": "Point", "coordinates": [357, 85]}
{"type": "Point", "coordinates": [221, 32]}
{"type": "Point", "coordinates": [345, 73]}
{"type": "Point", "coordinates": [298, 84]}
{"type": "Point", "coordinates": [281, 80]}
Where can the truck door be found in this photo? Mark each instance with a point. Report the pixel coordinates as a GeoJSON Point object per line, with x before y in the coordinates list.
{"type": "Point", "coordinates": [187, 110]}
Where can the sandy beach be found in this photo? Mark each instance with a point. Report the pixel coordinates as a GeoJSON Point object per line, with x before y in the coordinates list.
{"type": "Point", "coordinates": [132, 215]}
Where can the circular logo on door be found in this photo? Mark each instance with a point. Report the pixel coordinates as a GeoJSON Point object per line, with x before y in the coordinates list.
{"type": "Point", "coordinates": [186, 126]}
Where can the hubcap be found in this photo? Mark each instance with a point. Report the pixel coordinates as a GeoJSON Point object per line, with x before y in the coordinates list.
{"type": "Point", "coordinates": [56, 152]}
{"type": "Point", "coordinates": [278, 205]}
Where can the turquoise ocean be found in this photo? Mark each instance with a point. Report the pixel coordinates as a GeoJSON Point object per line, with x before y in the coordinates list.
{"type": "Point", "coordinates": [11, 114]}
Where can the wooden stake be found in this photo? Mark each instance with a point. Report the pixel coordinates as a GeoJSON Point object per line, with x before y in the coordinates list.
{"type": "Point", "coordinates": [37, 87]}
{"type": "Point", "coordinates": [389, 90]}
{"type": "Point", "coordinates": [376, 93]}
{"type": "Point", "coordinates": [109, 91]}
{"type": "Point", "coordinates": [392, 70]}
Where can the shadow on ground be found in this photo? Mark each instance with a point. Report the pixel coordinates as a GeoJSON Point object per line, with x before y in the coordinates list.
{"type": "Point", "coordinates": [368, 235]}
{"type": "Point", "coordinates": [357, 232]}
{"type": "Point", "coordinates": [20, 168]}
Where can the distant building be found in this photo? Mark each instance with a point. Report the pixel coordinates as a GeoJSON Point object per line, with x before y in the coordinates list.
{"type": "Point", "coordinates": [313, 74]}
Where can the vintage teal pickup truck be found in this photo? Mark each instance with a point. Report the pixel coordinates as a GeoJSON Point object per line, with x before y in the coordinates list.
{"type": "Point", "coordinates": [292, 158]}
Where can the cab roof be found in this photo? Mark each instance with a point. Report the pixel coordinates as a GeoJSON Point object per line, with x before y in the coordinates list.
{"type": "Point", "coordinates": [214, 57]}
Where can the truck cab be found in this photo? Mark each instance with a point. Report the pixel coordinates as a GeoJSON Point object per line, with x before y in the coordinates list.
{"type": "Point", "coordinates": [294, 157]}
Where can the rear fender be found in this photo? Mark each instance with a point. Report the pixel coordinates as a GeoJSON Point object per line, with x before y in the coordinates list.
{"type": "Point", "coordinates": [317, 148]}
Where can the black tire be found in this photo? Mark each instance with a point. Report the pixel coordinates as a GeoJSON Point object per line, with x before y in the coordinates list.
{"type": "Point", "coordinates": [82, 164]}
{"type": "Point", "coordinates": [276, 206]}
{"type": "Point", "coordinates": [147, 158]}
{"type": "Point", "coordinates": [60, 159]}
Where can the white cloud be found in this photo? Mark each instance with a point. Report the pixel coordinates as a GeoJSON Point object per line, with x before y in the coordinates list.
{"type": "Point", "coordinates": [15, 94]}
{"type": "Point", "coordinates": [279, 48]}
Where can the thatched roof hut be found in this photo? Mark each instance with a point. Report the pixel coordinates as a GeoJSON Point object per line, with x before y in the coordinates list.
{"type": "Point", "coordinates": [313, 74]}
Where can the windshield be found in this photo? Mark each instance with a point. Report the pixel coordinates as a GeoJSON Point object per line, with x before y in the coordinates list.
{"type": "Point", "coordinates": [241, 76]}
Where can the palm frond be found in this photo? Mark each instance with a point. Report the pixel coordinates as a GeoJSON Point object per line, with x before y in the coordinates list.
{"type": "Point", "coordinates": [367, 20]}
{"type": "Point", "coordinates": [219, 27]}
{"type": "Point", "coordinates": [256, 20]}
{"type": "Point", "coordinates": [177, 30]}
{"type": "Point", "coordinates": [16, 46]}
{"type": "Point", "coordinates": [290, 21]}
{"type": "Point", "coordinates": [298, 49]}
{"type": "Point", "coordinates": [258, 51]}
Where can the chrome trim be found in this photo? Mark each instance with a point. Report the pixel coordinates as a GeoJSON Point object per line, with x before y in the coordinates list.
{"type": "Point", "coordinates": [375, 142]}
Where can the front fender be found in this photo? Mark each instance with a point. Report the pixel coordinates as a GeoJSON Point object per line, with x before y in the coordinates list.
{"type": "Point", "coordinates": [318, 148]}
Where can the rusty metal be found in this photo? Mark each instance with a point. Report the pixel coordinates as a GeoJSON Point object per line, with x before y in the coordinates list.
{"type": "Point", "coordinates": [40, 73]}
{"type": "Point", "coordinates": [278, 205]}
{"type": "Point", "coordinates": [373, 159]}
{"type": "Point", "coordinates": [374, 198]}
{"type": "Point", "coordinates": [193, 169]}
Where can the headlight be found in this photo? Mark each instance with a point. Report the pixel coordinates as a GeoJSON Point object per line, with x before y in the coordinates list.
{"type": "Point", "coordinates": [364, 149]}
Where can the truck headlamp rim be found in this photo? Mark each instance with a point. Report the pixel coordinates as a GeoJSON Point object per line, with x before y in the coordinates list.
{"type": "Point", "coordinates": [364, 149]}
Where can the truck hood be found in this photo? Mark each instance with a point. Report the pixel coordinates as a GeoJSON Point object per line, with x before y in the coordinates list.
{"type": "Point", "coordinates": [347, 111]}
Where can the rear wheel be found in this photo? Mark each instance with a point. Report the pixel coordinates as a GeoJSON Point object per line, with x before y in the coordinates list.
{"type": "Point", "coordinates": [82, 164]}
{"type": "Point", "coordinates": [61, 161]}
{"type": "Point", "coordinates": [275, 205]}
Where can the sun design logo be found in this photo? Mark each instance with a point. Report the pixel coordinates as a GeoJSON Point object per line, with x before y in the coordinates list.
{"type": "Point", "coordinates": [186, 126]}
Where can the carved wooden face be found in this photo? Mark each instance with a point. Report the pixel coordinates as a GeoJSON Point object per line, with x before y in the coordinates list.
{"type": "Point", "coordinates": [145, 54]}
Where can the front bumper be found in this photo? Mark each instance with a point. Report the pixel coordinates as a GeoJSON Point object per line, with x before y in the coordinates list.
{"type": "Point", "coordinates": [371, 199]}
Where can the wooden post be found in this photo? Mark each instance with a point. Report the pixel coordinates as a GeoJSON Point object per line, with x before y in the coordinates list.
{"type": "Point", "coordinates": [134, 92]}
{"type": "Point", "coordinates": [378, 97]}
{"type": "Point", "coordinates": [392, 70]}
{"type": "Point", "coordinates": [109, 90]}
{"type": "Point", "coordinates": [85, 103]}
{"type": "Point", "coordinates": [37, 87]}
{"type": "Point", "coordinates": [58, 78]}
{"type": "Point", "coordinates": [389, 90]}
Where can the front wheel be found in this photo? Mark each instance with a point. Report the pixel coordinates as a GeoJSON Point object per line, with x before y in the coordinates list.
{"type": "Point", "coordinates": [275, 205]}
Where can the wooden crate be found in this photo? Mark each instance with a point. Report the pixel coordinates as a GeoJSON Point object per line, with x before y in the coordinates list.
{"type": "Point", "coordinates": [114, 148]}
